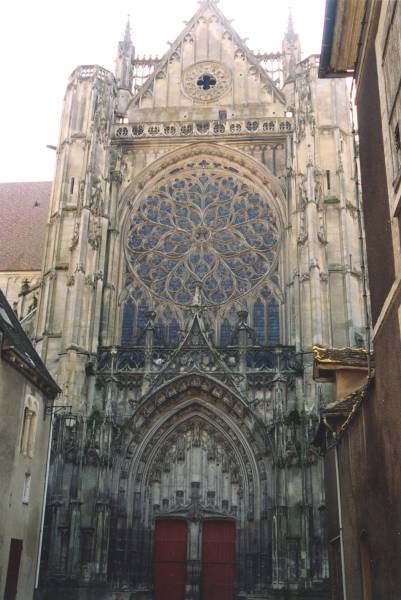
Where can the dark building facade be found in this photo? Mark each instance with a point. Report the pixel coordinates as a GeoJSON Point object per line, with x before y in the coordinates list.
{"type": "Point", "coordinates": [363, 40]}
{"type": "Point", "coordinates": [27, 393]}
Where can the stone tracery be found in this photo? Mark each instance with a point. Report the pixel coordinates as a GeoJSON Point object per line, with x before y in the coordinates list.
{"type": "Point", "coordinates": [205, 228]}
{"type": "Point", "coordinates": [197, 444]}
{"type": "Point", "coordinates": [215, 80]}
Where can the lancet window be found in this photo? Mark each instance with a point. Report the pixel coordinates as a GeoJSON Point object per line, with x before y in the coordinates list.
{"type": "Point", "coordinates": [134, 319]}
{"type": "Point", "coordinates": [168, 327]}
{"type": "Point", "coordinates": [229, 327]}
{"type": "Point", "coordinates": [266, 319]}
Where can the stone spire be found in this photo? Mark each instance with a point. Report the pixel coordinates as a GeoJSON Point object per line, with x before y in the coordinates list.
{"type": "Point", "coordinates": [125, 57]}
{"type": "Point", "coordinates": [127, 34]}
{"type": "Point", "coordinates": [290, 26]}
{"type": "Point", "coordinates": [291, 49]}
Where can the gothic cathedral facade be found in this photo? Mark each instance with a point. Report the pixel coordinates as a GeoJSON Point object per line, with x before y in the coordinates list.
{"type": "Point", "coordinates": [203, 236]}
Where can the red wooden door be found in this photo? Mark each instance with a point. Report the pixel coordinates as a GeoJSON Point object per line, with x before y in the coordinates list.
{"type": "Point", "coordinates": [218, 560]}
{"type": "Point", "coordinates": [170, 564]}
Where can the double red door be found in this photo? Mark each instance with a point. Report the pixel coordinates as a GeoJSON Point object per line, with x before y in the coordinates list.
{"type": "Point", "coordinates": [218, 560]}
{"type": "Point", "coordinates": [170, 559]}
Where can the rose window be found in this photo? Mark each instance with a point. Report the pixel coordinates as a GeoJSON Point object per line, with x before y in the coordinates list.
{"type": "Point", "coordinates": [206, 81]}
{"type": "Point", "coordinates": [202, 232]}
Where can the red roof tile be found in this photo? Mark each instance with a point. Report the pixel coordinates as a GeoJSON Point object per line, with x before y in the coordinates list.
{"type": "Point", "coordinates": [23, 216]}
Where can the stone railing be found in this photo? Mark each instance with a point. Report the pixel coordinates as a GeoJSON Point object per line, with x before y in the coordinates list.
{"type": "Point", "coordinates": [92, 72]}
{"type": "Point", "coordinates": [257, 358]}
{"type": "Point", "coordinates": [188, 129]}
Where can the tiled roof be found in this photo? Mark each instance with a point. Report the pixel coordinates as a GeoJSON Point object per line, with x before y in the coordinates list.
{"type": "Point", "coordinates": [23, 216]}
{"type": "Point", "coordinates": [340, 414]}
{"type": "Point", "coordinates": [346, 405]}
{"type": "Point", "coordinates": [347, 408]}
{"type": "Point", "coordinates": [17, 349]}
{"type": "Point", "coordinates": [347, 357]}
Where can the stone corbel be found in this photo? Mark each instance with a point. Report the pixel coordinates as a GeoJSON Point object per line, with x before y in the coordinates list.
{"type": "Point", "coordinates": [302, 238]}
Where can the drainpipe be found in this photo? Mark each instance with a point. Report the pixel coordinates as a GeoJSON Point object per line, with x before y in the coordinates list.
{"type": "Point", "coordinates": [340, 522]}
{"type": "Point", "coordinates": [42, 520]}
{"type": "Point", "coordinates": [339, 505]}
{"type": "Point", "coordinates": [362, 244]}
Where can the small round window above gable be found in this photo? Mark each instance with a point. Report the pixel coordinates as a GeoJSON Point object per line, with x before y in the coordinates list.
{"type": "Point", "coordinates": [206, 81]}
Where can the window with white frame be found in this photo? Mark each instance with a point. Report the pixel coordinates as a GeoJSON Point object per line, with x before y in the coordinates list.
{"type": "Point", "coordinates": [26, 492]}
{"type": "Point", "coordinates": [29, 425]}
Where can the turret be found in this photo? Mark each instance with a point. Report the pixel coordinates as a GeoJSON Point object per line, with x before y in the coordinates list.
{"type": "Point", "coordinates": [125, 57]}
{"type": "Point", "coordinates": [291, 50]}
{"type": "Point", "coordinates": [74, 264]}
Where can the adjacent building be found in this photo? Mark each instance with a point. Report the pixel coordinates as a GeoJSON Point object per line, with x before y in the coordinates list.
{"type": "Point", "coordinates": [24, 209]}
{"type": "Point", "coordinates": [27, 392]}
{"type": "Point", "coordinates": [343, 436]}
{"type": "Point", "coordinates": [362, 39]}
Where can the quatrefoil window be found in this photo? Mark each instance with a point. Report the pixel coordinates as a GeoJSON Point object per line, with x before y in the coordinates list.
{"type": "Point", "coordinates": [206, 81]}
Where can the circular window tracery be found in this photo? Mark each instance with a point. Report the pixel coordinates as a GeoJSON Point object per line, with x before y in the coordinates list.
{"type": "Point", "coordinates": [206, 81]}
{"type": "Point", "coordinates": [202, 231]}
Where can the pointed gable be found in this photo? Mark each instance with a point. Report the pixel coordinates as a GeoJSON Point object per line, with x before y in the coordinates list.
{"type": "Point", "coordinates": [208, 64]}
{"type": "Point", "coordinates": [196, 354]}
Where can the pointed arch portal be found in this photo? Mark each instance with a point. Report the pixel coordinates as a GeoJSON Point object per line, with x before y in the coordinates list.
{"type": "Point", "coordinates": [193, 482]}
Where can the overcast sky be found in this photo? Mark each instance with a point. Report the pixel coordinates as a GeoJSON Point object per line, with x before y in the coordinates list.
{"type": "Point", "coordinates": [42, 41]}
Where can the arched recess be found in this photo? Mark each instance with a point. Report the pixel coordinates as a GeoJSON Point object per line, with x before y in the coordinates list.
{"type": "Point", "coordinates": [196, 444]}
{"type": "Point", "coordinates": [239, 285]}
{"type": "Point", "coordinates": [193, 411]}
{"type": "Point", "coordinates": [196, 448]}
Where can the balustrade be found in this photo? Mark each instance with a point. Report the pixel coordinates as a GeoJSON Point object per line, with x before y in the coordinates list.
{"type": "Point", "coordinates": [203, 128]}
{"type": "Point", "coordinates": [258, 358]}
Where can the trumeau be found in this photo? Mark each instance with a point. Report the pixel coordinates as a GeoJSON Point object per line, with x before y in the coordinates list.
{"type": "Point", "coordinates": [203, 236]}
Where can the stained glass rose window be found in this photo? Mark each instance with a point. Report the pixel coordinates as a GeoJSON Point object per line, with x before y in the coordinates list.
{"type": "Point", "coordinates": [204, 230]}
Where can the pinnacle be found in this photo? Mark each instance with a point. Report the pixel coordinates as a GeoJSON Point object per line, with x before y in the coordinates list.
{"type": "Point", "coordinates": [127, 33]}
{"type": "Point", "coordinates": [290, 26]}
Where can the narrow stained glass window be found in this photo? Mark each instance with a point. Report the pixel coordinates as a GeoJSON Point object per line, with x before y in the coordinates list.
{"type": "Point", "coordinates": [128, 324]}
{"type": "Point", "coordinates": [160, 337]}
{"type": "Point", "coordinates": [174, 333]}
{"type": "Point", "coordinates": [259, 320]}
{"type": "Point", "coordinates": [273, 334]}
{"type": "Point", "coordinates": [167, 334]}
{"type": "Point", "coordinates": [141, 320]}
{"type": "Point", "coordinates": [225, 333]}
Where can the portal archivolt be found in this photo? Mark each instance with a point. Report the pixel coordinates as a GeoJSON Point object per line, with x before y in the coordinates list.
{"type": "Point", "coordinates": [204, 435]}
{"type": "Point", "coordinates": [196, 455]}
